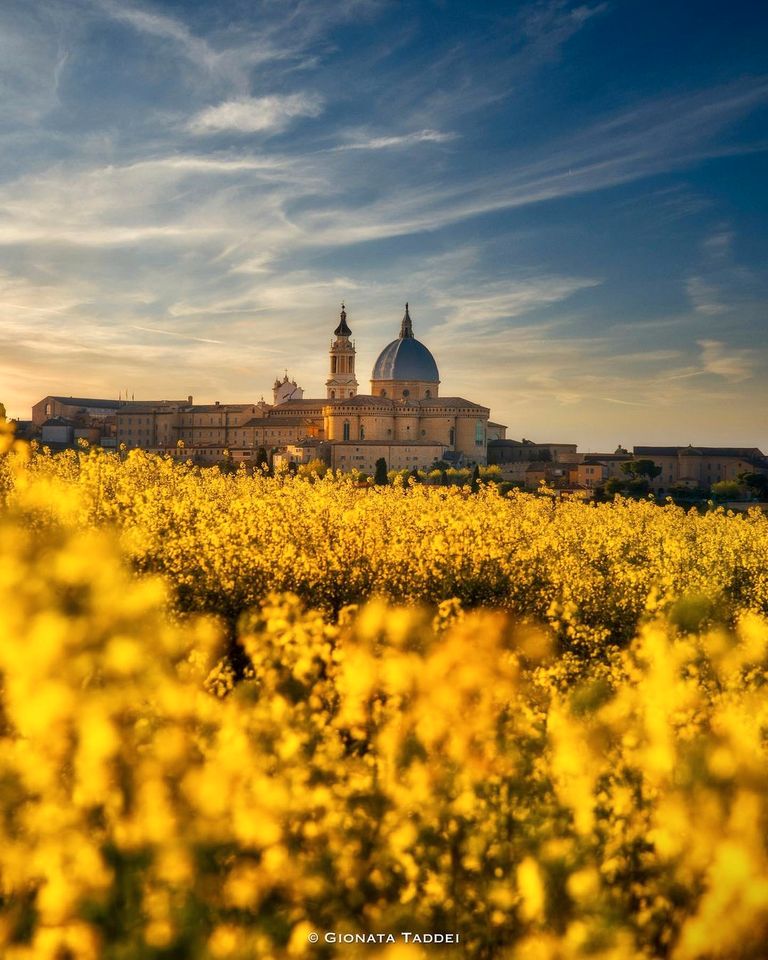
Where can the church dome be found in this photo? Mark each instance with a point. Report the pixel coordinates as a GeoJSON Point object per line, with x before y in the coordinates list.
{"type": "Point", "coordinates": [406, 358]}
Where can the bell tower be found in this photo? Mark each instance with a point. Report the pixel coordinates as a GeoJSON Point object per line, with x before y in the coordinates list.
{"type": "Point", "coordinates": [341, 382]}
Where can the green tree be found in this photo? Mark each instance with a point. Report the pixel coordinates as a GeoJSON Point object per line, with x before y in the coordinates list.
{"type": "Point", "coordinates": [316, 466]}
{"type": "Point", "coordinates": [262, 460]}
{"type": "Point", "coordinates": [634, 486]}
{"type": "Point", "coordinates": [640, 469]}
{"type": "Point", "coordinates": [491, 473]}
{"type": "Point", "coordinates": [756, 483]}
{"type": "Point", "coordinates": [474, 485]}
{"type": "Point", "coordinates": [380, 477]}
{"type": "Point", "coordinates": [727, 490]}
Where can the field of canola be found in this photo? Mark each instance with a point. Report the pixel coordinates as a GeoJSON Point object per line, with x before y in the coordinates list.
{"type": "Point", "coordinates": [237, 711]}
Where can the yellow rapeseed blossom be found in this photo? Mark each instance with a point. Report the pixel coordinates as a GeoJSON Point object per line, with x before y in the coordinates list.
{"type": "Point", "coordinates": [239, 711]}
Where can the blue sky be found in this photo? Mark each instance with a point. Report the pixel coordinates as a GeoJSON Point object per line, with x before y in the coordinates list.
{"type": "Point", "coordinates": [571, 196]}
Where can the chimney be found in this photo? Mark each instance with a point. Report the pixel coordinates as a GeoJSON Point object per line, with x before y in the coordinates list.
{"type": "Point", "coordinates": [189, 400]}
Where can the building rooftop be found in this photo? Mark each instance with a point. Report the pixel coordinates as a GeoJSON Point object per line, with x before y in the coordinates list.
{"type": "Point", "coordinates": [147, 406]}
{"type": "Point", "coordinates": [742, 453]}
{"type": "Point", "coordinates": [89, 402]}
{"type": "Point", "coordinates": [219, 407]}
{"type": "Point", "coordinates": [60, 422]}
{"type": "Point", "coordinates": [385, 443]}
{"type": "Point", "coordinates": [525, 443]}
{"type": "Point", "coordinates": [273, 422]}
{"type": "Point", "coordinates": [281, 408]}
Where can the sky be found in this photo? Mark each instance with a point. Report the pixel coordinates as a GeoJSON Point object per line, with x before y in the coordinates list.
{"type": "Point", "coordinates": [571, 196]}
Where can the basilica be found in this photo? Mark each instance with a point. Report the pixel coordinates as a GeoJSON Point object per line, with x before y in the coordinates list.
{"type": "Point", "coordinates": [403, 419]}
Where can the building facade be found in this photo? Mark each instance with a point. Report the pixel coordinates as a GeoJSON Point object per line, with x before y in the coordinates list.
{"type": "Point", "coordinates": [700, 467]}
{"type": "Point", "coordinates": [403, 418]}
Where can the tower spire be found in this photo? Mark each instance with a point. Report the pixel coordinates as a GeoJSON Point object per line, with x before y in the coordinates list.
{"type": "Point", "coordinates": [341, 383]}
{"type": "Point", "coordinates": [343, 330]}
{"type": "Point", "coordinates": [406, 328]}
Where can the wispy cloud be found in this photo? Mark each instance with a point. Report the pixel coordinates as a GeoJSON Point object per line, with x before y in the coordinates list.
{"type": "Point", "coordinates": [401, 140]}
{"type": "Point", "coordinates": [230, 63]}
{"type": "Point", "coordinates": [256, 114]}
{"type": "Point", "coordinates": [152, 221]}
{"type": "Point", "coordinates": [704, 296]}
{"type": "Point", "coordinates": [171, 333]}
{"type": "Point", "coordinates": [730, 363]}
{"type": "Point", "coordinates": [162, 26]}
{"type": "Point", "coordinates": [489, 303]}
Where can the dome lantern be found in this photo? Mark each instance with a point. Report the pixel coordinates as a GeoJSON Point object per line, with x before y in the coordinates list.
{"type": "Point", "coordinates": [405, 368]}
{"type": "Point", "coordinates": [406, 328]}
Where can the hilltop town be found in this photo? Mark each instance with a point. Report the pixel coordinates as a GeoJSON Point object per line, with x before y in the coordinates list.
{"type": "Point", "coordinates": [404, 420]}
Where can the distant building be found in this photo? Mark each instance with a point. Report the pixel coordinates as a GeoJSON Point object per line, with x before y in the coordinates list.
{"type": "Point", "coordinates": [403, 419]}
{"type": "Point", "coordinates": [589, 474]}
{"type": "Point", "coordinates": [605, 466]}
{"type": "Point", "coordinates": [529, 464]}
{"type": "Point", "coordinates": [502, 451]}
{"type": "Point", "coordinates": [73, 408]}
{"type": "Point", "coordinates": [62, 421]}
{"type": "Point", "coordinates": [700, 467]}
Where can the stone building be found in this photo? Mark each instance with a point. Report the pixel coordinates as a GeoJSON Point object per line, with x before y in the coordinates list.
{"type": "Point", "coordinates": [403, 419]}
{"type": "Point", "coordinates": [700, 467]}
{"type": "Point", "coordinates": [77, 409]}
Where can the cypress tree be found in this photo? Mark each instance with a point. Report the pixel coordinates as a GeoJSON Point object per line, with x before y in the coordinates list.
{"type": "Point", "coordinates": [380, 477]}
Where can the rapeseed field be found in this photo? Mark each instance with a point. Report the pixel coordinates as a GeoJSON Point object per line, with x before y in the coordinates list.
{"type": "Point", "coordinates": [255, 717]}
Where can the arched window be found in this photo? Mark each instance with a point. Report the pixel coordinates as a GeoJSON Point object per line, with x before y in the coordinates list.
{"type": "Point", "coordinates": [345, 432]}
{"type": "Point", "coordinates": [427, 394]}
{"type": "Point", "coordinates": [383, 393]}
{"type": "Point", "coordinates": [48, 409]}
{"type": "Point", "coordinates": [333, 394]}
{"type": "Point", "coordinates": [362, 432]}
{"type": "Point", "coordinates": [452, 436]}
{"type": "Point", "coordinates": [406, 393]}
{"type": "Point", "coordinates": [333, 364]}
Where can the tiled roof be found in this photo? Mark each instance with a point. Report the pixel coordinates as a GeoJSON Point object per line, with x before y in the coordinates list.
{"type": "Point", "coordinates": [218, 407]}
{"type": "Point", "coordinates": [149, 406]}
{"type": "Point", "coordinates": [607, 457]}
{"type": "Point", "coordinates": [274, 422]}
{"type": "Point", "coordinates": [361, 400]}
{"type": "Point", "coordinates": [297, 405]}
{"type": "Point", "coordinates": [88, 402]}
{"type": "Point", "coordinates": [743, 453]}
{"type": "Point", "coordinates": [386, 443]}
{"type": "Point", "coordinates": [450, 403]}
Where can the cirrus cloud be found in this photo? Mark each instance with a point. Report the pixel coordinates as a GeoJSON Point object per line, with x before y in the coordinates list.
{"type": "Point", "coordinates": [256, 114]}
